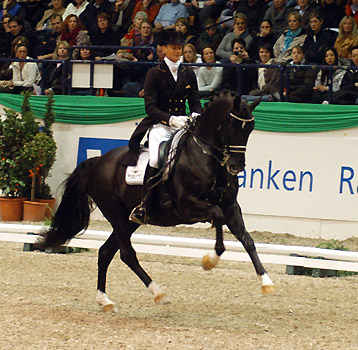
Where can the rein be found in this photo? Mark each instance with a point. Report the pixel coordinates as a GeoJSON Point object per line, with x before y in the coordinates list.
{"type": "Point", "coordinates": [225, 152]}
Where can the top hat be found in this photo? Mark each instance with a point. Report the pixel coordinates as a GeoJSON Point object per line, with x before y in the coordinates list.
{"type": "Point", "coordinates": [171, 37]}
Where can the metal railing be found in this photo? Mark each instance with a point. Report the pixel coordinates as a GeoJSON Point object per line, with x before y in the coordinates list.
{"type": "Point", "coordinates": [68, 64]}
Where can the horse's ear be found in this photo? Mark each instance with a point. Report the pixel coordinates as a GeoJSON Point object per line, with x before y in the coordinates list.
{"type": "Point", "coordinates": [254, 104]}
{"type": "Point", "coordinates": [237, 103]}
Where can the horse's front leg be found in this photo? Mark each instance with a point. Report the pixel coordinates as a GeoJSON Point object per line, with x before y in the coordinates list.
{"type": "Point", "coordinates": [211, 259]}
{"type": "Point", "coordinates": [236, 225]}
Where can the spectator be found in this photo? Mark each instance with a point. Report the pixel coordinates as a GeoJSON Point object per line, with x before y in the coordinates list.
{"type": "Point", "coordinates": [150, 7]}
{"type": "Point", "coordinates": [348, 92]}
{"type": "Point", "coordinates": [295, 35]}
{"type": "Point", "coordinates": [191, 56]}
{"type": "Point", "coordinates": [6, 70]}
{"type": "Point", "coordinates": [24, 74]}
{"type": "Point", "coordinates": [71, 27]}
{"type": "Point", "coordinates": [168, 14]}
{"type": "Point", "coordinates": [138, 72]}
{"type": "Point", "coordinates": [300, 80]}
{"type": "Point", "coordinates": [13, 8]}
{"type": "Point", "coordinates": [17, 28]}
{"type": "Point", "coordinates": [57, 9]}
{"type": "Point", "coordinates": [54, 71]}
{"type": "Point", "coordinates": [224, 50]}
{"type": "Point", "coordinates": [209, 78]}
{"type": "Point", "coordinates": [347, 37]}
{"type": "Point", "coordinates": [227, 15]}
{"type": "Point", "coordinates": [333, 11]}
{"type": "Point", "coordinates": [34, 10]}
{"type": "Point", "coordinates": [76, 7]}
{"type": "Point", "coordinates": [321, 87]}
{"type": "Point", "coordinates": [265, 35]}
{"type": "Point", "coordinates": [268, 80]}
{"type": "Point", "coordinates": [352, 9]}
{"type": "Point", "coordinates": [242, 80]}
{"type": "Point", "coordinates": [134, 29]}
{"type": "Point", "coordinates": [104, 35]}
{"type": "Point", "coordinates": [123, 10]}
{"type": "Point", "coordinates": [277, 14]}
{"type": "Point", "coordinates": [254, 10]}
{"type": "Point", "coordinates": [304, 8]}
{"type": "Point", "coordinates": [51, 38]}
{"type": "Point", "coordinates": [318, 39]}
{"type": "Point", "coordinates": [204, 9]}
{"type": "Point", "coordinates": [210, 36]}
{"type": "Point", "coordinates": [182, 25]}
{"type": "Point", "coordinates": [5, 24]}
{"type": "Point", "coordinates": [93, 9]}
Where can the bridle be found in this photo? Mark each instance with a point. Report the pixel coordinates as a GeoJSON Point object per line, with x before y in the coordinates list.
{"type": "Point", "coordinates": [224, 152]}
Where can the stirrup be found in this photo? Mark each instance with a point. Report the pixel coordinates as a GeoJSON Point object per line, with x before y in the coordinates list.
{"type": "Point", "coordinates": [139, 215]}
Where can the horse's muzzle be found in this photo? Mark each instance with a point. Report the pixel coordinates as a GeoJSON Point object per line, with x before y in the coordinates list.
{"type": "Point", "coordinates": [234, 169]}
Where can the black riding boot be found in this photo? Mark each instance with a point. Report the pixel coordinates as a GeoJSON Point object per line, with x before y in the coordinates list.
{"type": "Point", "coordinates": [139, 213]}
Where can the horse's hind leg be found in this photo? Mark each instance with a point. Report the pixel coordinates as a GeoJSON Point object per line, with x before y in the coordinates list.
{"type": "Point", "coordinates": [211, 259]}
{"type": "Point", "coordinates": [236, 225]}
{"type": "Point", "coordinates": [129, 257]}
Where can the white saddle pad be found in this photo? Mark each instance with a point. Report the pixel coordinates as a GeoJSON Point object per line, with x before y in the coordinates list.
{"type": "Point", "coordinates": [135, 174]}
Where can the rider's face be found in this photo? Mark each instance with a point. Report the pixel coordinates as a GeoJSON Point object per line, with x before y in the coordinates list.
{"type": "Point", "coordinates": [172, 52]}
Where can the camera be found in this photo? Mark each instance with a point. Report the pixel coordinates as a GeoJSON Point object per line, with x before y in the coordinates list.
{"type": "Point", "coordinates": [239, 53]}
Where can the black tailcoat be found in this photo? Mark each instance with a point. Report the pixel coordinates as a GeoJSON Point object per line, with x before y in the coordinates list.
{"type": "Point", "coordinates": [165, 97]}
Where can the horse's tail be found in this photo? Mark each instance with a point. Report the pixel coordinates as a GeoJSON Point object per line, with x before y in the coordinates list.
{"type": "Point", "coordinates": [74, 211]}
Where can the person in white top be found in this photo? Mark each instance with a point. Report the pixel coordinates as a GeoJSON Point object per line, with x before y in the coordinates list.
{"type": "Point", "coordinates": [76, 7]}
{"type": "Point", "coordinates": [209, 78]}
{"type": "Point", "coordinates": [24, 74]}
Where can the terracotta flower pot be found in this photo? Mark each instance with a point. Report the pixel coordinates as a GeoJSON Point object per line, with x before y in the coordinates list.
{"type": "Point", "coordinates": [34, 211]}
{"type": "Point", "coordinates": [11, 209]}
{"type": "Point", "coordinates": [50, 210]}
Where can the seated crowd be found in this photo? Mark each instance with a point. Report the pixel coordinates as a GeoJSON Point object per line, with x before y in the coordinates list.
{"type": "Point", "coordinates": [257, 41]}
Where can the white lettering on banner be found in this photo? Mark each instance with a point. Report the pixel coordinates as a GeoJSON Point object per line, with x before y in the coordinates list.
{"type": "Point", "coordinates": [278, 179]}
{"type": "Point", "coordinates": [347, 175]}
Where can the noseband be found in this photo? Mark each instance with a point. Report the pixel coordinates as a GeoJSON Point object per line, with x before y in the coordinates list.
{"type": "Point", "coordinates": [225, 152]}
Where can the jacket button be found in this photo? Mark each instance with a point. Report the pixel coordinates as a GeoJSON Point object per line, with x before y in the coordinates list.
{"type": "Point", "coordinates": [176, 109]}
{"type": "Point", "coordinates": [170, 109]}
{"type": "Point", "coordinates": [176, 100]}
{"type": "Point", "coordinates": [170, 100]}
{"type": "Point", "coordinates": [181, 100]}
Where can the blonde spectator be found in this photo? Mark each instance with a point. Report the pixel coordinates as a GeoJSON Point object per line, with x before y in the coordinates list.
{"type": "Point", "coordinates": [295, 35]}
{"type": "Point", "coordinates": [347, 37]}
{"type": "Point", "coordinates": [191, 56]}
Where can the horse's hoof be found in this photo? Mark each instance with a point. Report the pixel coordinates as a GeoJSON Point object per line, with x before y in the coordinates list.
{"type": "Point", "coordinates": [209, 261]}
{"type": "Point", "coordinates": [161, 299]}
{"type": "Point", "coordinates": [109, 308]}
{"type": "Point", "coordinates": [269, 289]}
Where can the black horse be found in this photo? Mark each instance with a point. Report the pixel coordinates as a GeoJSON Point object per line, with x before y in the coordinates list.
{"type": "Point", "coordinates": [202, 187]}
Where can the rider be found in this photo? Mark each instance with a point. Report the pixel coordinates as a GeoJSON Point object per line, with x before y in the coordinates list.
{"type": "Point", "coordinates": [166, 89]}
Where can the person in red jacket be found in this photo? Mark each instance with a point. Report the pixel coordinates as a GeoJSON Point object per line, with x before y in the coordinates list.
{"type": "Point", "coordinates": [150, 7]}
{"type": "Point", "coordinates": [352, 9]}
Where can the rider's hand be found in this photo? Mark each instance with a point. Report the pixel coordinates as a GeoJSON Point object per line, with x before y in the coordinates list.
{"type": "Point", "coordinates": [194, 116]}
{"type": "Point", "coordinates": [178, 121]}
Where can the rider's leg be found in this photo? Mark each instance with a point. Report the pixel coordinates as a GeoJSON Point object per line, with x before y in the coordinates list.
{"type": "Point", "coordinates": [157, 134]}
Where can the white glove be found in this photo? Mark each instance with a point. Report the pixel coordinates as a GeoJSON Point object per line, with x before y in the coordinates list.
{"type": "Point", "coordinates": [194, 116]}
{"type": "Point", "coordinates": [178, 121]}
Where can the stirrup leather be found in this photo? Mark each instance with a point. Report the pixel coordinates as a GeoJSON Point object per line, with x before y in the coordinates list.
{"type": "Point", "coordinates": [139, 215]}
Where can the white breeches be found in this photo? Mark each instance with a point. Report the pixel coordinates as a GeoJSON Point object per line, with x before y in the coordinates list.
{"type": "Point", "coordinates": [157, 134]}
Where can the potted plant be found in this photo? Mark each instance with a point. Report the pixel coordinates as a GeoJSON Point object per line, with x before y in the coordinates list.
{"type": "Point", "coordinates": [15, 131]}
{"type": "Point", "coordinates": [27, 155]}
{"type": "Point", "coordinates": [40, 154]}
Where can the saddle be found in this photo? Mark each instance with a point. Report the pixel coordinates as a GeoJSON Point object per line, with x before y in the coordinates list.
{"type": "Point", "coordinates": [166, 160]}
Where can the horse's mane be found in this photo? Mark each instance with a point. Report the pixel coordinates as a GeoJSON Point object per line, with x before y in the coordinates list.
{"type": "Point", "coordinates": [218, 106]}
